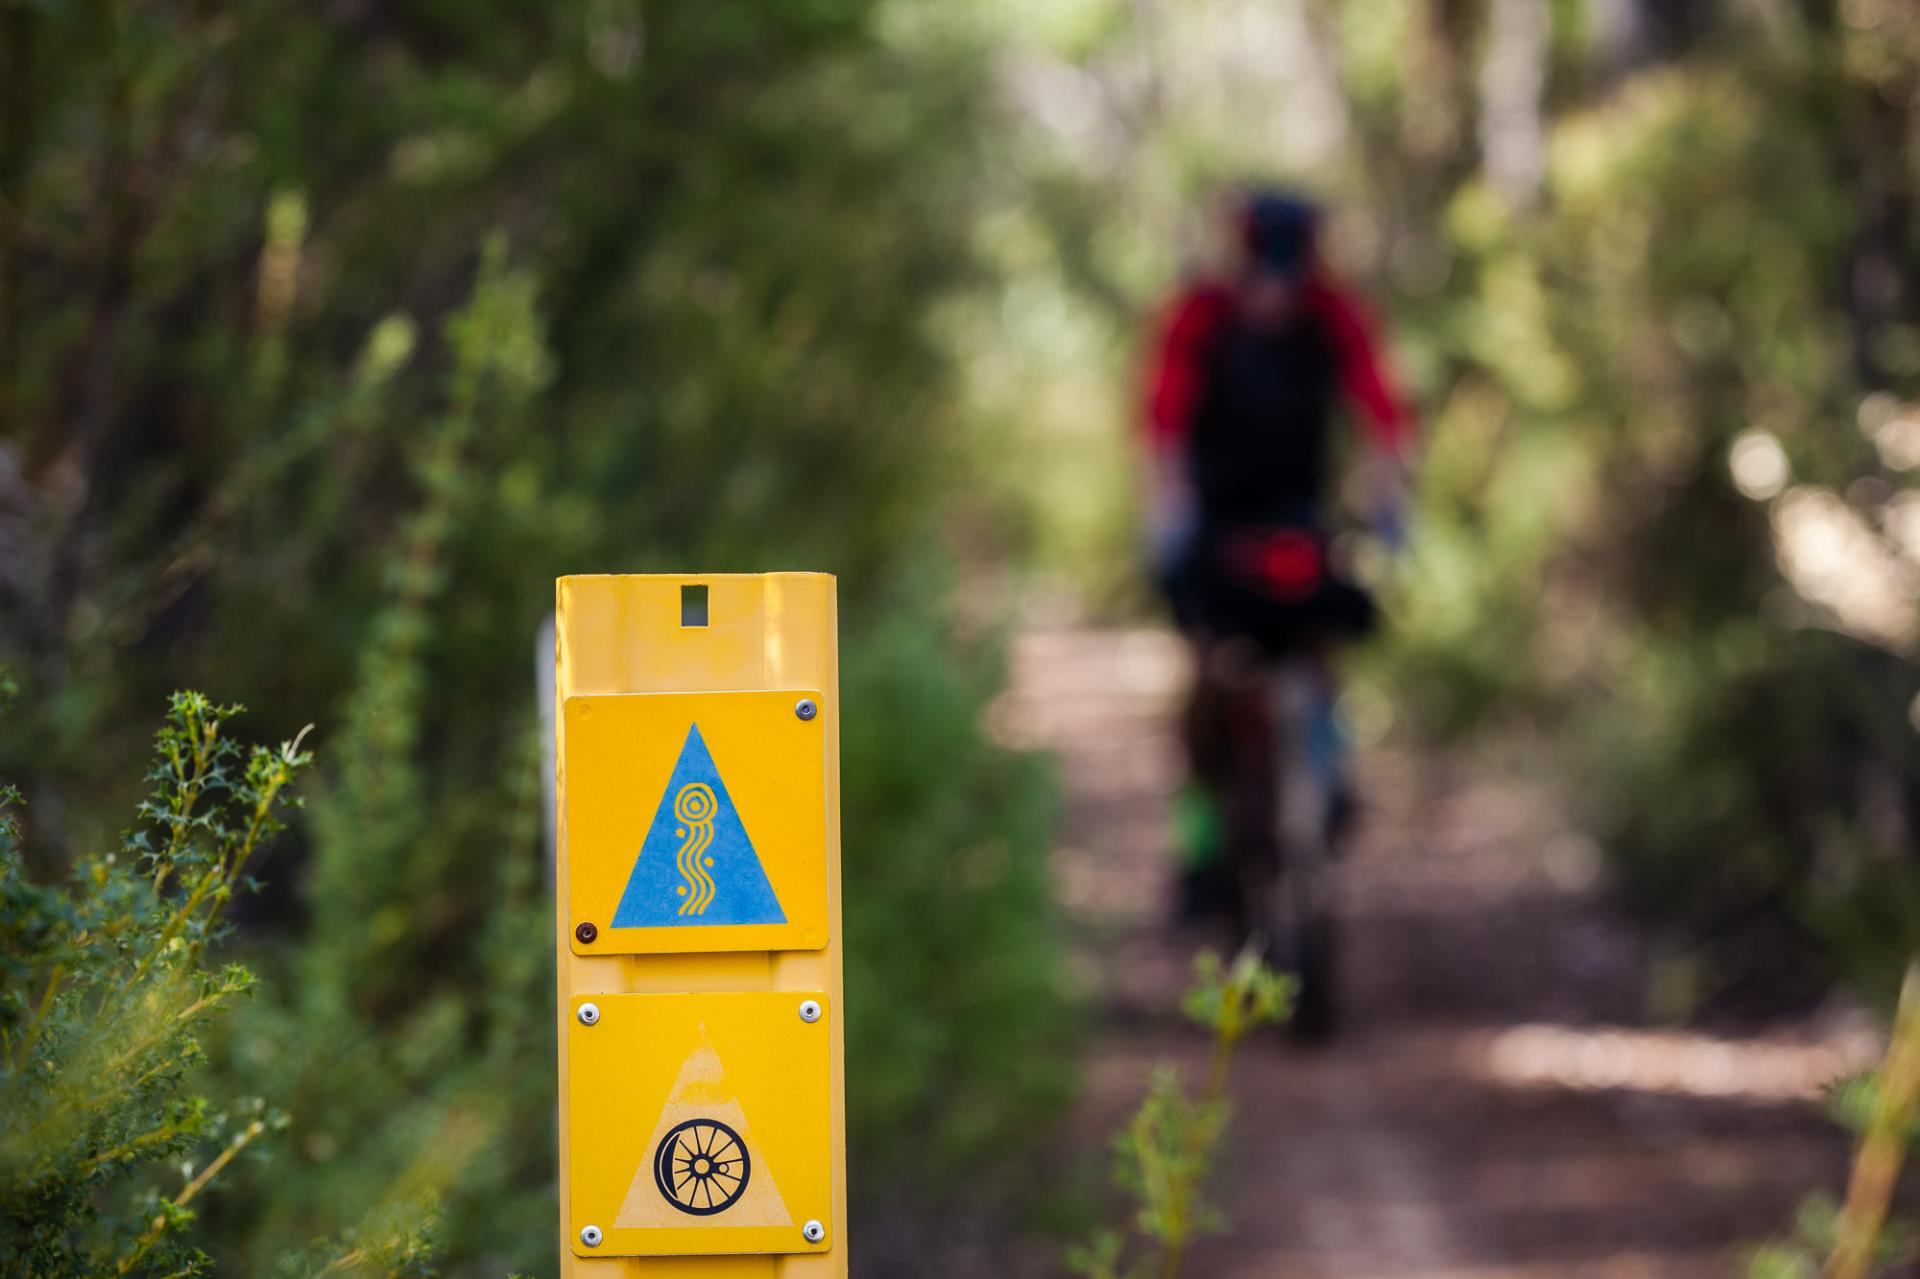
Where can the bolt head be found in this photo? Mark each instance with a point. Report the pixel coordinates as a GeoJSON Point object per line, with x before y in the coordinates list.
{"type": "Point", "coordinates": [806, 708]}
{"type": "Point", "coordinates": [588, 1014]}
{"type": "Point", "coordinates": [591, 1236]}
{"type": "Point", "coordinates": [813, 1232]}
{"type": "Point", "coordinates": [585, 934]}
{"type": "Point", "coordinates": [809, 1010]}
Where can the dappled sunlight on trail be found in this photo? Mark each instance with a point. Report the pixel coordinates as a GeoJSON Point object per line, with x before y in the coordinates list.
{"type": "Point", "coordinates": [1498, 1104]}
{"type": "Point", "coordinates": [1542, 1056]}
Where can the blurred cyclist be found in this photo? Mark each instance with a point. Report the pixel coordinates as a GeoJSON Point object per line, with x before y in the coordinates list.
{"type": "Point", "coordinates": [1245, 380]}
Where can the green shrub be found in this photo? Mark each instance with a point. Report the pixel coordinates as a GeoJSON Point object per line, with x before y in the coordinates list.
{"type": "Point", "coordinates": [1167, 1152]}
{"type": "Point", "coordinates": [106, 986]}
{"type": "Point", "coordinates": [407, 1023]}
{"type": "Point", "coordinates": [956, 1033]}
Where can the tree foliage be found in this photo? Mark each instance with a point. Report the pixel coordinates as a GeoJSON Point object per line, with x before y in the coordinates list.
{"type": "Point", "coordinates": [327, 340]}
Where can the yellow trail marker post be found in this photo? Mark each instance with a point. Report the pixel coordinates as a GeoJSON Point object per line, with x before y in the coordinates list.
{"type": "Point", "coordinates": [697, 882]}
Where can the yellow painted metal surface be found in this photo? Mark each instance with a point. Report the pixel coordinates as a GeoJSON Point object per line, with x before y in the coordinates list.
{"type": "Point", "coordinates": [729, 1094]}
{"type": "Point", "coordinates": [643, 840]}
{"type": "Point", "coordinates": [620, 643]}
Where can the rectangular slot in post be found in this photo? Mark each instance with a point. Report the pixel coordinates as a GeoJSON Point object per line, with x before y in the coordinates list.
{"type": "Point", "coordinates": [693, 605]}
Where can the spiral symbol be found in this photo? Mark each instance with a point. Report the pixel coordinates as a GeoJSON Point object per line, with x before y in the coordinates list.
{"type": "Point", "coordinates": [694, 807]}
{"type": "Point", "coordinates": [694, 803]}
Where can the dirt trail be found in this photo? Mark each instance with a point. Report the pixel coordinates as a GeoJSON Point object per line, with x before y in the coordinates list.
{"type": "Point", "coordinates": [1495, 1105]}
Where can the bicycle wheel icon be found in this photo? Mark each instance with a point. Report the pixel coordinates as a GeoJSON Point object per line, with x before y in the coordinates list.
{"type": "Point", "coordinates": [701, 1167]}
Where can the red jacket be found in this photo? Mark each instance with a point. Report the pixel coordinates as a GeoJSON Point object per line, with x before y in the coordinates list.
{"type": "Point", "coordinates": [1177, 372]}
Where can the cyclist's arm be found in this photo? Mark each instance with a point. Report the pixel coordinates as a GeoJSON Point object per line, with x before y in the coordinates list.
{"type": "Point", "coordinates": [1383, 411]}
{"type": "Point", "coordinates": [1177, 372]}
{"type": "Point", "coordinates": [1176, 375]}
{"type": "Point", "coordinates": [1364, 376]}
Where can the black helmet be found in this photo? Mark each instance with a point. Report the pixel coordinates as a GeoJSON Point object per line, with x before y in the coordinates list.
{"type": "Point", "coordinates": [1278, 231]}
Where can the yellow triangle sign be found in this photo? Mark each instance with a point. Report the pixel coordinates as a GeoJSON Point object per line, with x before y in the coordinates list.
{"type": "Point", "coordinates": [702, 1166]}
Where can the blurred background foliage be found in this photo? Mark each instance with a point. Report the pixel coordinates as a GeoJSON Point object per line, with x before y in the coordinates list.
{"type": "Point", "coordinates": [328, 338]}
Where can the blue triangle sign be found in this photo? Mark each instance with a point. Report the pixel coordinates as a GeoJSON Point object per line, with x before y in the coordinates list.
{"type": "Point", "coordinates": [697, 865]}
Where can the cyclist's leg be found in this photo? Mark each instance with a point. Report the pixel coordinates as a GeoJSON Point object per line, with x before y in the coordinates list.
{"type": "Point", "coordinates": [1206, 873]}
{"type": "Point", "coordinates": [1330, 748]}
{"type": "Point", "coordinates": [1338, 614]}
{"type": "Point", "coordinates": [1249, 792]}
{"type": "Point", "coordinates": [1303, 906]}
{"type": "Point", "coordinates": [1299, 691]}
{"type": "Point", "coordinates": [1203, 884]}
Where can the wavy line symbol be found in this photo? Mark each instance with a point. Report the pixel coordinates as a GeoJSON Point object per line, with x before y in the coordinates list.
{"type": "Point", "coordinates": [694, 807]}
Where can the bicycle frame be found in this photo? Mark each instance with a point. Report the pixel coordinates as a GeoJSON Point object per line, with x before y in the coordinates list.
{"type": "Point", "coordinates": [1277, 801]}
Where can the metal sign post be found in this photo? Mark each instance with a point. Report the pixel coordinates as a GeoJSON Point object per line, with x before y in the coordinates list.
{"type": "Point", "coordinates": [697, 882]}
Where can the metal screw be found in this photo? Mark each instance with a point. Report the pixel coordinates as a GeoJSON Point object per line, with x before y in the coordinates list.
{"type": "Point", "coordinates": [806, 708]}
{"type": "Point", "coordinates": [588, 1014]}
{"type": "Point", "coordinates": [809, 1010]}
{"type": "Point", "coordinates": [586, 933]}
{"type": "Point", "coordinates": [813, 1231]}
{"type": "Point", "coordinates": [590, 1235]}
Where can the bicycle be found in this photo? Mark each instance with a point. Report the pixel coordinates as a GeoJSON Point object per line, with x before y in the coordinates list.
{"type": "Point", "coordinates": [1268, 611]}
